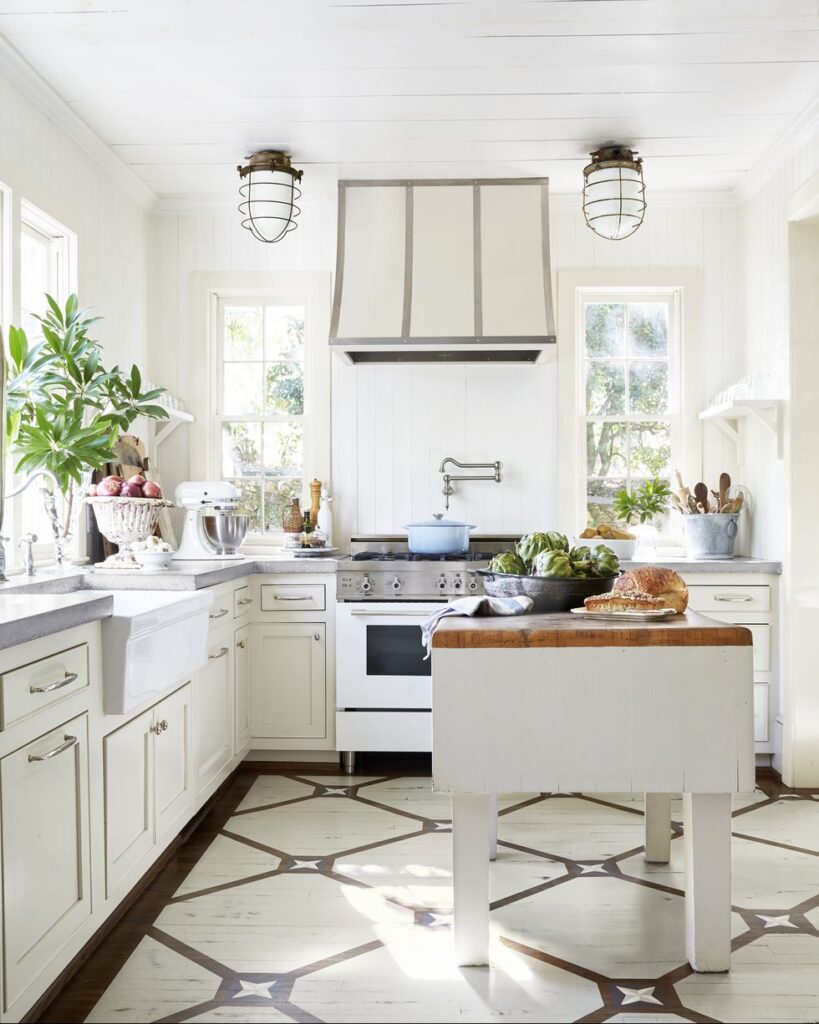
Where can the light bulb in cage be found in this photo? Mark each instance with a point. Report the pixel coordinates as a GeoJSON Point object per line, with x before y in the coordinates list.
{"type": "Point", "coordinates": [613, 192]}
{"type": "Point", "coordinates": [269, 192]}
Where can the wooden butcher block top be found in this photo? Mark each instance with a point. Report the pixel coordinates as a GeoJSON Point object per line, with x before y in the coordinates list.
{"type": "Point", "coordinates": [563, 629]}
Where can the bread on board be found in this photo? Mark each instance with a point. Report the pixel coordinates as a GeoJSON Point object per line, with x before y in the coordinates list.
{"type": "Point", "coordinates": [656, 581]}
{"type": "Point", "coordinates": [632, 601]}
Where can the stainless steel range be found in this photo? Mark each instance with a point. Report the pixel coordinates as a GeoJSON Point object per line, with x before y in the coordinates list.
{"type": "Point", "coordinates": [383, 684]}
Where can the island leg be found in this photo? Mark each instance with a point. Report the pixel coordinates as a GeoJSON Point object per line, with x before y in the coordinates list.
{"type": "Point", "coordinates": [707, 843]}
{"type": "Point", "coordinates": [470, 878]}
{"type": "Point", "coordinates": [493, 826]}
{"type": "Point", "coordinates": [658, 828]}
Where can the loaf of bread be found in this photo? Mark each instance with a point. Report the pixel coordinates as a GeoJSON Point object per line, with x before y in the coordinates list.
{"type": "Point", "coordinates": [631, 601]}
{"type": "Point", "coordinates": [656, 581]}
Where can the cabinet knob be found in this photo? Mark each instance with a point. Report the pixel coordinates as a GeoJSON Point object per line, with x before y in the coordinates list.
{"type": "Point", "coordinates": [317, 636]}
{"type": "Point", "coordinates": [240, 643]}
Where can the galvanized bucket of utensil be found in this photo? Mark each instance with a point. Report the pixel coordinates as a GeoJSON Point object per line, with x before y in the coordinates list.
{"type": "Point", "coordinates": [711, 536]}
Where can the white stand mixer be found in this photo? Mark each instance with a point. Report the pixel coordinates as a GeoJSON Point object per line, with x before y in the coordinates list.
{"type": "Point", "coordinates": [207, 498]}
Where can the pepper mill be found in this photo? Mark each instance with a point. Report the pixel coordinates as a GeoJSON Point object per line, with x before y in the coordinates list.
{"type": "Point", "coordinates": [315, 499]}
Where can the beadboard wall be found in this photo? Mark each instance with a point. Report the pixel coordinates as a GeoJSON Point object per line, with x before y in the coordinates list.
{"type": "Point", "coordinates": [43, 163]}
{"type": "Point", "coordinates": [392, 425]}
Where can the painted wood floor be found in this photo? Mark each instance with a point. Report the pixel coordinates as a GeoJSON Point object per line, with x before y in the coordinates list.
{"type": "Point", "coordinates": [328, 898]}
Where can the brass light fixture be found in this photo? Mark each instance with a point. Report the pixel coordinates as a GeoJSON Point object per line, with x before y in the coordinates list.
{"type": "Point", "coordinates": [613, 192]}
{"type": "Point", "coordinates": [269, 191]}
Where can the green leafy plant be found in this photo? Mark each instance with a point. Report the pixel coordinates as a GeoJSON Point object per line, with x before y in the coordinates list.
{"type": "Point", "coordinates": [64, 410]}
{"type": "Point", "coordinates": [643, 504]}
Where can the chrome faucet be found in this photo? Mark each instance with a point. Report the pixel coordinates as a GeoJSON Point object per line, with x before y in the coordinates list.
{"type": "Point", "coordinates": [26, 542]}
{"type": "Point", "coordinates": [51, 511]}
{"type": "Point", "coordinates": [448, 491]}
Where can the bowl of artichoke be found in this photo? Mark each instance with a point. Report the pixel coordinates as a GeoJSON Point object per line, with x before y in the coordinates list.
{"type": "Point", "coordinates": [555, 575]}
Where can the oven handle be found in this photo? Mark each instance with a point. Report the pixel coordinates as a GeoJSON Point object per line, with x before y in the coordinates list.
{"type": "Point", "coordinates": [414, 612]}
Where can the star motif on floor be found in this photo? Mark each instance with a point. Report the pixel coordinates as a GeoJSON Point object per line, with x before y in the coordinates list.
{"type": "Point", "coordinates": [260, 989]}
{"type": "Point", "coordinates": [638, 995]}
{"type": "Point", "coordinates": [306, 865]}
{"type": "Point", "coordinates": [440, 826]}
{"type": "Point", "coordinates": [334, 791]}
{"type": "Point", "coordinates": [783, 921]}
{"type": "Point", "coordinates": [592, 869]}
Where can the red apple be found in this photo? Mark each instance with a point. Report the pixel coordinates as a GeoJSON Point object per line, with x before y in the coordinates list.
{"type": "Point", "coordinates": [151, 490]}
{"type": "Point", "coordinates": [139, 480]}
{"type": "Point", "coordinates": [130, 490]}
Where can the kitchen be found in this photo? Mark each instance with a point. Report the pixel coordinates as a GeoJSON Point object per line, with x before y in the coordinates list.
{"type": "Point", "coordinates": [235, 788]}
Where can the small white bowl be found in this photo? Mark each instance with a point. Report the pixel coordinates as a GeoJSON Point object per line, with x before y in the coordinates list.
{"type": "Point", "coordinates": [153, 560]}
{"type": "Point", "coordinates": [624, 549]}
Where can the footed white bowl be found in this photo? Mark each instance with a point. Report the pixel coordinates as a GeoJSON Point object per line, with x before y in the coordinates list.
{"type": "Point", "coordinates": [154, 559]}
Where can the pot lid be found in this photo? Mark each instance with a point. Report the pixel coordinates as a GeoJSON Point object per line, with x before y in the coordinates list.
{"type": "Point", "coordinates": [438, 520]}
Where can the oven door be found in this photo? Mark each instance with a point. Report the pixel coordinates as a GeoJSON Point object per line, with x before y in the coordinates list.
{"type": "Point", "coordinates": [380, 656]}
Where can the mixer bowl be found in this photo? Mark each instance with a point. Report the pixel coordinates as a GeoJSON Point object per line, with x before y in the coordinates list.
{"type": "Point", "coordinates": [224, 531]}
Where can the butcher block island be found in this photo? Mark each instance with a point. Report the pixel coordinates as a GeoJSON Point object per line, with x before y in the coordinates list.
{"type": "Point", "coordinates": [562, 704]}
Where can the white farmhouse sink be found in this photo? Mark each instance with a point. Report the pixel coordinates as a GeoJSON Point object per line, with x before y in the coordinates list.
{"type": "Point", "coordinates": [153, 641]}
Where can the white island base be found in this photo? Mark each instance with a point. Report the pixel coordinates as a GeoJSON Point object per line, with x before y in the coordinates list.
{"type": "Point", "coordinates": [536, 704]}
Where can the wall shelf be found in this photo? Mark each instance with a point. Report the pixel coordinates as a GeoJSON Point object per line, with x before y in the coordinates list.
{"type": "Point", "coordinates": [163, 431]}
{"type": "Point", "coordinates": [767, 411]}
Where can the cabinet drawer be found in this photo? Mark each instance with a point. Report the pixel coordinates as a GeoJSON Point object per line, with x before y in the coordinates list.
{"type": "Point", "coordinates": [242, 601]}
{"type": "Point", "coordinates": [33, 687]}
{"type": "Point", "coordinates": [293, 597]}
{"type": "Point", "coordinates": [732, 598]}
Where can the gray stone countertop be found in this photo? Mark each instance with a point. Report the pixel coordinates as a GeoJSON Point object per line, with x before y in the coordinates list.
{"type": "Point", "coordinates": [28, 616]}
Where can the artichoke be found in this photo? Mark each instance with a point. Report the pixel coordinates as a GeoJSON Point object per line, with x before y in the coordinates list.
{"type": "Point", "coordinates": [530, 546]}
{"type": "Point", "coordinates": [604, 562]}
{"type": "Point", "coordinates": [509, 562]}
{"type": "Point", "coordinates": [582, 560]}
{"type": "Point", "coordinates": [553, 563]}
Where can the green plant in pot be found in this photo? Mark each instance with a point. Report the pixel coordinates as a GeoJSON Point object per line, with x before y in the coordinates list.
{"type": "Point", "coordinates": [642, 506]}
{"type": "Point", "coordinates": [64, 409]}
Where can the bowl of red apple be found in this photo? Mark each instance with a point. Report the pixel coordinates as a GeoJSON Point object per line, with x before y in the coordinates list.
{"type": "Point", "coordinates": [127, 512]}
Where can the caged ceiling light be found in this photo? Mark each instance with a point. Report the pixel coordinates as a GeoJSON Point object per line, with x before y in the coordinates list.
{"type": "Point", "coordinates": [613, 192]}
{"type": "Point", "coordinates": [269, 191]}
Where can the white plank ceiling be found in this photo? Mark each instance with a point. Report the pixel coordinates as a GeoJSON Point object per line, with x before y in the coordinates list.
{"type": "Point", "coordinates": [183, 89]}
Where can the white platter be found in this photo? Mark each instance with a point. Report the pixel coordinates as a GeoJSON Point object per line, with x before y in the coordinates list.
{"type": "Point", "coordinates": [650, 616]}
{"type": "Point", "coordinates": [310, 552]}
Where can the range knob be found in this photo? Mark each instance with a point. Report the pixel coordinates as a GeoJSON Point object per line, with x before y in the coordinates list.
{"type": "Point", "coordinates": [458, 583]}
{"type": "Point", "coordinates": [366, 586]}
{"type": "Point", "coordinates": [396, 584]}
{"type": "Point", "coordinates": [442, 582]}
{"type": "Point", "coordinates": [473, 585]}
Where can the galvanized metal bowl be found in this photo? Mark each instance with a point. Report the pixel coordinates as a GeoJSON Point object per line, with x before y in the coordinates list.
{"type": "Point", "coordinates": [549, 593]}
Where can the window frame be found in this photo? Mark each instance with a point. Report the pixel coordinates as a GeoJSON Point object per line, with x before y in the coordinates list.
{"type": "Point", "coordinates": [626, 297]}
{"type": "Point", "coordinates": [572, 282]}
{"type": "Point", "coordinates": [313, 291]}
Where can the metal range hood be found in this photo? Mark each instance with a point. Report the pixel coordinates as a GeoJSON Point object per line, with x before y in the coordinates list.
{"type": "Point", "coordinates": [443, 270]}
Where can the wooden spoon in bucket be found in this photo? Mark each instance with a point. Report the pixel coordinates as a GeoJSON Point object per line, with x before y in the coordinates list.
{"type": "Point", "coordinates": [701, 496]}
{"type": "Point", "coordinates": [724, 487]}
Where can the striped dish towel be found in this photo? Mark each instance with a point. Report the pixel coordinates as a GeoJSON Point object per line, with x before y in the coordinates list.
{"type": "Point", "coordinates": [482, 605]}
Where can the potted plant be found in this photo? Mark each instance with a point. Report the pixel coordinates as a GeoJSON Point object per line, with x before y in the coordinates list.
{"type": "Point", "coordinates": [64, 409]}
{"type": "Point", "coordinates": [642, 506]}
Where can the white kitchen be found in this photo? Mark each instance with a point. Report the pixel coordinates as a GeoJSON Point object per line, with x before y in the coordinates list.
{"type": "Point", "coordinates": [408, 567]}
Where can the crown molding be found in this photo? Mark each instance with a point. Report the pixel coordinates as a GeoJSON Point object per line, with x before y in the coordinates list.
{"type": "Point", "coordinates": [806, 125]}
{"type": "Point", "coordinates": [23, 77]}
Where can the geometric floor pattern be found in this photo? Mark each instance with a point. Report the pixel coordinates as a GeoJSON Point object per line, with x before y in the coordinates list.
{"type": "Point", "coordinates": [328, 898]}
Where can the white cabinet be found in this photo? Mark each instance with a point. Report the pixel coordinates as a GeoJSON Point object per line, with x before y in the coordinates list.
{"type": "Point", "coordinates": [289, 680]}
{"type": "Point", "coordinates": [241, 675]}
{"type": "Point", "coordinates": [46, 862]}
{"type": "Point", "coordinates": [213, 712]}
{"type": "Point", "coordinates": [147, 776]}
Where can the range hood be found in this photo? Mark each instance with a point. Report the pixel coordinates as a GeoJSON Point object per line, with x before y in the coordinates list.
{"type": "Point", "coordinates": [443, 270]}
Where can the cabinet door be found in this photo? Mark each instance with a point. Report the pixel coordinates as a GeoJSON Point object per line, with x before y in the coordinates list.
{"type": "Point", "coordinates": [129, 798]}
{"type": "Point", "coordinates": [173, 759]}
{"type": "Point", "coordinates": [288, 680]}
{"type": "Point", "coordinates": [212, 699]}
{"type": "Point", "coordinates": [46, 879]}
{"type": "Point", "coordinates": [241, 674]}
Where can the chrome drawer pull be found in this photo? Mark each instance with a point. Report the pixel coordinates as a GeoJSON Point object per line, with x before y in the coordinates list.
{"type": "Point", "coordinates": [277, 598]}
{"type": "Point", "coordinates": [221, 653]}
{"type": "Point", "coordinates": [733, 599]}
{"type": "Point", "coordinates": [245, 600]}
{"type": "Point", "coordinates": [218, 615]}
{"type": "Point", "coordinates": [68, 742]}
{"type": "Point", "coordinates": [69, 677]}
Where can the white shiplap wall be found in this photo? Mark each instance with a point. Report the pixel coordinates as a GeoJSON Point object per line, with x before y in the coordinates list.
{"type": "Point", "coordinates": [392, 425]}
{"type": "Point", "coordinates": [42, 163]}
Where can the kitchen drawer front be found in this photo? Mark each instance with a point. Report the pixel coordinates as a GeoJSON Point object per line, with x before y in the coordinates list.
{"type": "Point", "coordinates": [293, 597]}
{"type": "Point", "coordinates": [761, 712]}
{"type": "Point", "coordinates": [33, 687]}
{"type": "Point", "coordinates": [761, 633]}
{"type": "Point", "coordinates": [242, 601]}
{"type": "Point", "coordinates": [733, 599]}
